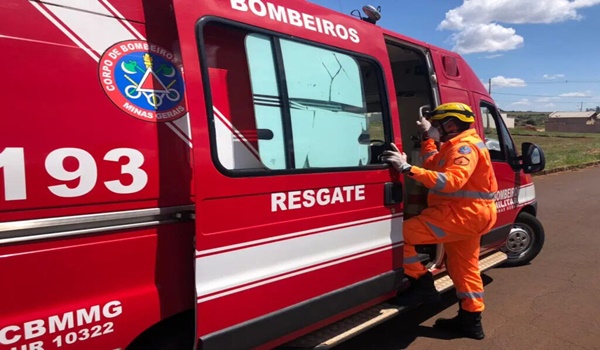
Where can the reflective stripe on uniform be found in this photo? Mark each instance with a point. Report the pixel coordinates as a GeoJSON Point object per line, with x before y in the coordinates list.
{"type": "Point", "coordinates": [481, 145]}
{"type": "Point", "coordinates": [470, 295]}
{"type": "Point", "coordinates": [436, 230]}
{"type": "Point", "coordinates": [466, 194]}
{"type": "Point", "coordinates": [427, 155]}
{"type": "Point", "coordinates": [441, 163]}
{"type": "Point", "coordinates": [411, 260]}
{"type": "Point", "coordinates": [441, 181]}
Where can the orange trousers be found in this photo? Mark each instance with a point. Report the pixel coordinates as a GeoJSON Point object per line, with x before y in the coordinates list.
{"type": "Point", "coordinates": [462, 258]}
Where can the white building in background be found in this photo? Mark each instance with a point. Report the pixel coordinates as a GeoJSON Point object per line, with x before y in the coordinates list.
{"type": "Point", "coordinates": [582, 122]}
{"type": "Point", "coordinates": [508, 121]}
{"type": "Point", "coordinates": [584, 115]}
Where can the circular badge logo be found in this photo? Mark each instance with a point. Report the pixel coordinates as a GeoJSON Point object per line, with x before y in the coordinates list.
{"type": "Point", "coordinates": [143, 81]}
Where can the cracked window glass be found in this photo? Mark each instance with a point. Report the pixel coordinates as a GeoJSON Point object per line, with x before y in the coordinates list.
{"type": "Point", "coordinates": [310, 107]}
{"type": "Point", "coordinates": [327, 107]}
{"type": "Point", "coordinates": [330, 79]}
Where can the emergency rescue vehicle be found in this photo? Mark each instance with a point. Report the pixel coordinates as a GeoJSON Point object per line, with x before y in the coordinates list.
{"type": "Point", "coordinates": [205, 173]}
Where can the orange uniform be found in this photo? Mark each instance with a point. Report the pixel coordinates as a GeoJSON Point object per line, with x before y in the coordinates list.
{"type": "Point", "coordinates": [461, 208]}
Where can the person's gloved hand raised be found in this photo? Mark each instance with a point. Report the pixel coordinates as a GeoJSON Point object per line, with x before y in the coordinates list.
{"type": "Point", "coordinates": [427, 130]}
{"type": "Point", "coordinates": [424, 124]}
{"type": "Point", "coordinates": [396, 158]}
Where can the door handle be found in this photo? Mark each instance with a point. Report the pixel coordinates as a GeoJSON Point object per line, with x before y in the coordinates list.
{"type": "Point", "coordinates": [392, 194]}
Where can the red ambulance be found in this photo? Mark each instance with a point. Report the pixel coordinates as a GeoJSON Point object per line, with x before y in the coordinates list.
{"type": "Point", "coordinates": [204, 173]}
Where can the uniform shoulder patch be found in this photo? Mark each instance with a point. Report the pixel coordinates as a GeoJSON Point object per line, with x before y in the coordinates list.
{"type": "Point", "coordinates": [465, 150]}
{"type": "Point", "coordinates": [462, 161]}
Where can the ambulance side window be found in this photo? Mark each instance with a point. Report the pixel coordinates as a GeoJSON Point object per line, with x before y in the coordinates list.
{"type": "Point", "coordinates": [497, 137]}
{"type": "Point", "coordinates": [285, 105]}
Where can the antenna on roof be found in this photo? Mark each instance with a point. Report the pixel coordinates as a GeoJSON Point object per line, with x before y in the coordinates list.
{"type": "Point", "coordinates": [373, 13]}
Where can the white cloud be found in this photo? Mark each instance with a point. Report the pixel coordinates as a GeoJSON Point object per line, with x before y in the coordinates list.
{"type": "Point", "coordinates": [486, 38]}
{"type": "Point", "coordinates": [550, 105]}
{"type": "Point", "coordinates": [521, 102]}
{"type": "Point", "coordinates": [476, 20]}
{"type": "Point", "coordinates": [575, 94]}
{"type": "Point", "coordinates": [546, 99]}
{"type": "Point", "coordinates": [553, 76]}
{"type": "Point", "coordinates": [492, 56]}
{"type": "Point", "coordinates": [500, 81]}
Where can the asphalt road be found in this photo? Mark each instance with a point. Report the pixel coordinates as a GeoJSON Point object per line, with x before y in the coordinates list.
{"type": "Point", "coordinates": [552, 303]}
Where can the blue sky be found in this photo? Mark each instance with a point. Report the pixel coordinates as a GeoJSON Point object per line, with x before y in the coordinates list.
{"type": "Point", "coordinates": [543, 55]}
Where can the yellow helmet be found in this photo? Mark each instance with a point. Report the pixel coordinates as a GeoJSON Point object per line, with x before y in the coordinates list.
{"type": "Point", "coordinates": [453, 109]}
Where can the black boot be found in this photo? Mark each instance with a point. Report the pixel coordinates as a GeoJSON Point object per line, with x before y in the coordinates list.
{"type": "Point", "coordinates": [465, 323]}
{"type": "Point", "coordinates": [421, 290]}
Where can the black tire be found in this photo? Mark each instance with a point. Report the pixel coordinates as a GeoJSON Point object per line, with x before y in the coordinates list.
{"type": "Point", "coordinates": [525, 240]}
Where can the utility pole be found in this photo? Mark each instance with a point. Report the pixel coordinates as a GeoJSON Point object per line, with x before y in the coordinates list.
{"type": "Point", "coordinates": [581, 107]}
{"type": "Point", "coordinates": [490, 86]}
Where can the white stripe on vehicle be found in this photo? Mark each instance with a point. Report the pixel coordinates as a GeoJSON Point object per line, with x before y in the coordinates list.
{"type": "Point", "coordinates": [526, 194]}
{"type": "Point", "coordinates": [256, 265]}
{"type": "Point", "coordinates": [79, 20]}
{"type": "Point", "coordinates": [179, 133]}
{"type": "Point", "coordinates": [40, 7]}
{"type": "Point", "coordinates": [124, 21]}
{"type": "Point", "coordinates": [294, 234]}
{"type": "Point", "coordinates": [234, 150]}
{"type": "Point", "coordinates": [85, 24]}
{"type": "Point", "coordinates": [183, 125]}
{"type": "Point", "coordinates": [296, 273]}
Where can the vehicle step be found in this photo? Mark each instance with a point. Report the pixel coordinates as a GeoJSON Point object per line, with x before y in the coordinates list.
{"type": "Point", "coordinates": [338, 332]}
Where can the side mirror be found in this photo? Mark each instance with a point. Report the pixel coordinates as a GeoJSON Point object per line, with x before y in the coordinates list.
{"type": "Point", "coordinates": [533, 158]}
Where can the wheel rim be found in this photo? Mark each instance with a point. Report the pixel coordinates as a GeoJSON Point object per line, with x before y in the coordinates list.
{"type": "Point", "coordinates": [519, 242]}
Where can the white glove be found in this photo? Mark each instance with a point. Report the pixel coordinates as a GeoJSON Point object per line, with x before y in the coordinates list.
{"type": "Point", "coordinates": [424, 124]}
{"type": "Point", "coordinates": [396, 158]}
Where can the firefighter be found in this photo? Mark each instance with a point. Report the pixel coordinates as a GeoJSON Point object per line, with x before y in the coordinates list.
{"type": "Point", "coordinates": [461, 208]}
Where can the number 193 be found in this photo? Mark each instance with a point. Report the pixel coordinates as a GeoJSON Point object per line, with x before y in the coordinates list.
{"type": "Point", "coordinates": [12, 162]}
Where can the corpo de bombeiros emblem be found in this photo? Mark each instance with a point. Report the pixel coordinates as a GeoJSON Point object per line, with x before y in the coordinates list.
{"type": "Point", "coordinates": [143, 80]}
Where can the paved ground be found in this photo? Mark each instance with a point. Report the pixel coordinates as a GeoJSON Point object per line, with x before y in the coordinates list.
{"type": "Point", "coordinates": [553, 303]}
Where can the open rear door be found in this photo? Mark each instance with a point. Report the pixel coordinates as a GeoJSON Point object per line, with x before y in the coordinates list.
{"type": "Point", "coordinates": [297, 219]}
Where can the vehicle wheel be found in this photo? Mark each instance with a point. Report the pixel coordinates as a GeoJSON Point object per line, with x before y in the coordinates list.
{"type": "Point", "coordinates": [525, 240]}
